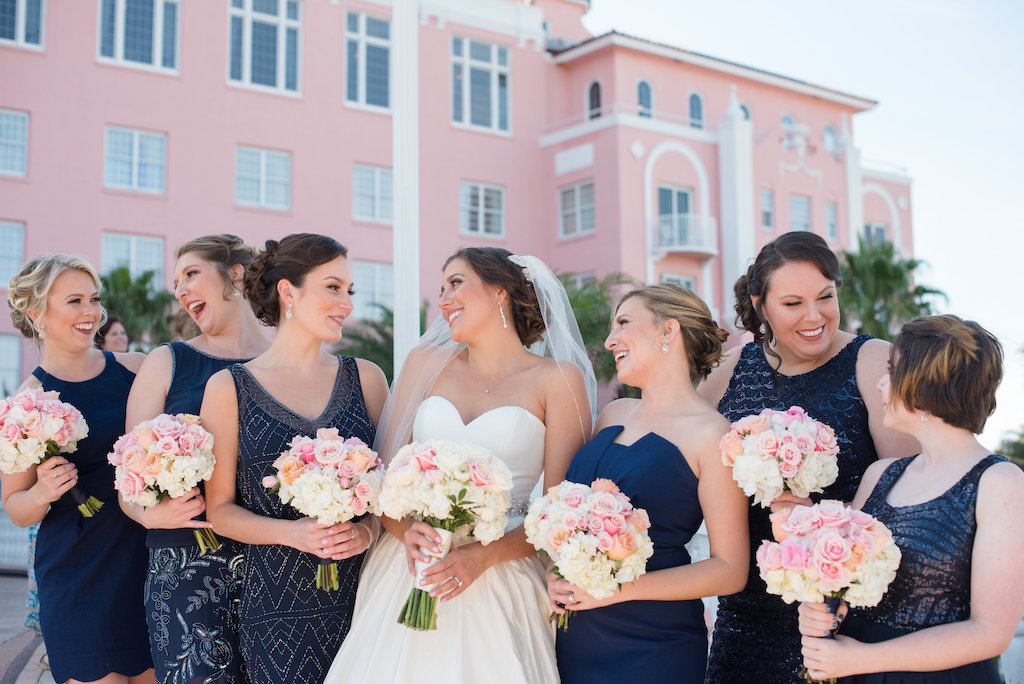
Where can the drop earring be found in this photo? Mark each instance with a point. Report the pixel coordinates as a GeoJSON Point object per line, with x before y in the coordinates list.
{"type": "Point", "coordinates": [504, 321]}
{"type": "Point", "coordinates": [763, 329]}
{"type": "Point", "coordinates": [664, 346]}
{"type": "Point", "coordinates": [288, 312]}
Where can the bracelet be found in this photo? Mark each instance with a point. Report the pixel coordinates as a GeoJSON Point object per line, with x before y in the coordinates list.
{"type": "Point", "coordinates": [372, 525]}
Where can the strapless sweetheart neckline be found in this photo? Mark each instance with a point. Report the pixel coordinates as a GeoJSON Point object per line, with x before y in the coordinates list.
{"type": "Point", "coordinates": [488, 412]}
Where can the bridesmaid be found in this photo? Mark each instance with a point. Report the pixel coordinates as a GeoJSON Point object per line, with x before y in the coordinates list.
{"type": "Point", "coordinates": [290, 630]}
{"type": "Point", "coordinates": [89, 571]}
{"type": "Point", "coordinates": [956, 511]}
{"type": "Point", "coordinates": [192, 597]}
{"type": "Point", "coordinates": [662, 451]}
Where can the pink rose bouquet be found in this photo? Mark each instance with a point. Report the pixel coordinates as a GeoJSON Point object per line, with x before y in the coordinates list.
{"type": "Point", "coordinates": [779, 450]}
{"type": "Point", "coordinates": [35, 425]}
{"type": "Point", "coordinates": [329, 478]}
{"type": "Point", "coordinates": [594, 536]}
{"type": "Point", "coordinates": [164, 457]}
{"type": "Point", "coordinates": [451, 486]}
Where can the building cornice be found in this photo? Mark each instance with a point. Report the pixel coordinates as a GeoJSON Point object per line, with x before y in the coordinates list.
{"type": "Point", "coordinates": [626, 121]}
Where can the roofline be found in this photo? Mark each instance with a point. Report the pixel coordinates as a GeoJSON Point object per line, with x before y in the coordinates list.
{"type": "Point", "coordinates": [614, 38]}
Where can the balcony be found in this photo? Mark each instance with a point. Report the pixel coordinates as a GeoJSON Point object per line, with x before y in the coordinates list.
{"type": "Point", "coordinates": [688, 234]}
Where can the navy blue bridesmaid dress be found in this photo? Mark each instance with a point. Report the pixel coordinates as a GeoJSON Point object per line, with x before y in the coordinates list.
{"type": "Point", "coordinates": [90, 571]}
{"type": "Point", "coordinates": [650, 641]}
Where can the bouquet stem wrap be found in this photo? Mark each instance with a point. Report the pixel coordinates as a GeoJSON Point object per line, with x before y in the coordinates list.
{"type": "Point", "coordinates": [327, 575]}
{"type": "Point", "coordinates": [420, 609]}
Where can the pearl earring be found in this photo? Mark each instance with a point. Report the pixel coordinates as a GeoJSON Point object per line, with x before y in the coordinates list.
{"type": "Point", "coordinates": [664, 346]}
{"type": "Point", "coordinates": [238, 293]}
{"type": "Point", "coordinates": [504, 321]}
{"type": "Point", "coordinates": [288, 312]}
{"type": "Point", "coordinates": [763, 329]}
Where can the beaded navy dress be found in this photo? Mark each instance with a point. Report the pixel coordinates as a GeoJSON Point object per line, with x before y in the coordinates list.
{"type": "Point", "coordinates": [933, 585]}
{"type": "Point", "coordinates": [757, 636]}
{"type": "Point", "coordinates": [90, 571]}
{"type": "Point", "coordinates": [659, 641]}
{"type": "Point", "coordinates": [192, 597]}
{"type": "Point", "coordinates": [290, 630]}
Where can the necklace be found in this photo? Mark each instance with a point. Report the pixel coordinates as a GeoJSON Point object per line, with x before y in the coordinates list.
{"type": "Point", "coordinates": [495, 383]}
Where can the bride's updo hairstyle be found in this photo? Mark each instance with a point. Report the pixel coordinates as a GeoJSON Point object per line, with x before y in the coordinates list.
{"type": "Point", "coordinates": [223, 251]}
{"type": "Point", "coordinates": [702, 338]}
{"type": "Point", "coordinates": [290, 259]}
{"type": "Point", "coordinates": [29, 289]}
{"type": "Point", "coordinates": [494, 267]}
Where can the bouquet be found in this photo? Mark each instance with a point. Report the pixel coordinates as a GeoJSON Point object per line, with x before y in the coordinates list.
{"type": "Point", "coordinates": [593, 535]}
{"type": "Point", "coordinates": [329, 478]}
{"type": "Point", "coordinates": [35, 425]}
{"type": "Point", "coordinates": [164, 457]}
{"type": "Point", "coordinates": [828, 552]}
{"type": "Point", "coordinates": [448, 485]}
{"type": "Point", "coordinates": [778, 450]}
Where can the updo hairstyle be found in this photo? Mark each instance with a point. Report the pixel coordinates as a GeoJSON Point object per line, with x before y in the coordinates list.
{"type": "Point", "coordinates": [494, 267]}
{"type": "Point", "coordinates": [702, 338]}
{"type": "Point", "coordinates": [223, 251]}
{"type": "Point", "coordinates": [30, 288]}
{"type": "Point", "coordinates": [290, 259]}
{"type": "Point", "coordinates": [947, 367]}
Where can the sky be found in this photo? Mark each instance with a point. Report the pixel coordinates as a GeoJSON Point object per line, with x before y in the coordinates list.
{"type": "Point", "coordinates": [949, 79]}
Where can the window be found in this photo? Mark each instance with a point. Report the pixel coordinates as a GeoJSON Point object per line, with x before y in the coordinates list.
{"type": "Point", "coordinates": [767, 209]}
{"type": "Point", "coordinates": [12, 249]}
{"type": "Point", "coordinates": [21, 22]}
{"type": "Point", "coordinates": [689, 282]}
{"type": "Point", "coordinates": [263, 178]}
{"type": "Point", "coordinates": [13, 143]}
{"type": "Point", "coordinates": [10, 363]}
{"type": "Point", "coordinates": [265, 44]}
{"type": "Point", "coordinates": [138, 253]}
{"type": "Point", "coordinates": [135, 160]}
{"type": "Point", "coordinates": [831, 221]}
{"type": "Point", "coordinates": [799, 213]}
{"type": "Point", "coordinates": [675, 222]}
{"type": "Point", "coordinates": [374, 284]}
{"type": "Point", "coordinates": [830, 140]}
{"type": "Point", "coordinates": [746, 111]}
{"type": "Point", "coordinates": [140, 32]}
{"type": "Point", "coordinates": [482, 209]}
{"type": "Point", "coordinates": [787, 121]}
{"type": "Point", "coordinates": [577, 209]}
{"type": "Point", "coordinates": [367, 57]}
{"type": "Point", "coordinates": [876, 233]}
{"type": "Point", "coordinates": [644, 100]}
{"type": "Point", "coordinates": [594, 100]}
{"type": "Point", "coordinates": [372, 194]}
{"type": "Point", "coordinates": [696, 111]}
{"type": "Point", "coordinates": [480, 84]}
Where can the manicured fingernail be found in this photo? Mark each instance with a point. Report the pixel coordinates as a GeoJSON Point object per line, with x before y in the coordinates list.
{"type": "Point", "coordinates": [437, 550]}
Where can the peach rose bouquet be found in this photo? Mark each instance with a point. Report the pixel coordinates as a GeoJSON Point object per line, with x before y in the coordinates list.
{"type": "Point", "coordinates": [329, 478]}
{"type": "Point", "coordinates": [164, 457]}
{"type": "Point", "coordinates": [594, 536]}
{"type": "Point", "coordinates": [35, 425]}
{"type": "Point", "coordinates": [453, 487]}
{"type": "Point", "coordinates": [780, 450]}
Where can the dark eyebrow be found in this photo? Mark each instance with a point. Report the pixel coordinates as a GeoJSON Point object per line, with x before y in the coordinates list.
{"type": "Point", "coordinates": [453, 275]}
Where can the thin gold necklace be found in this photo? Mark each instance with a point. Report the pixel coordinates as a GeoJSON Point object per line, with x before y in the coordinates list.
{"type": "Point", "coordinates": [504, 375]}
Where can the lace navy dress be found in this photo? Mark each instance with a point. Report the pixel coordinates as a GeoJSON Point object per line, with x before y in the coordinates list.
{"type": "Point", "coordinates": [192, 597]}
{"type": "Point", "coordinates": [290, 630]}
{"type": "Point", "coordinates": [933, 585]}
{"type": "Point", "coordinates": [90, 571]}
{"type": "Point", "coordinates": [660, 641]}
{"type": "Point", "coordinates": [756, 636]}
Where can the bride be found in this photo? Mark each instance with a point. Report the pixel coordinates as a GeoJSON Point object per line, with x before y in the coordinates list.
{"type": "Point", "coordinates": [503, 367]}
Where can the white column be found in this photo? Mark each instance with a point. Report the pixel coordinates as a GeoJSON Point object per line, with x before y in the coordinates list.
{"type": "Point", "coordinates": [854, 183]}
{"type": "Point", "coordinates": [736, 180]}
{"type": "Point", "coordinates": [405, 121]}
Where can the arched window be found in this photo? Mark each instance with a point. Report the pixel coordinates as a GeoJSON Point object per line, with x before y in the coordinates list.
{"type": "Point", "coordinates": [787, 121]}
{"type": "Point", "coordinates": [594, 100]}
{"type": "Point", "coordinates": [830, 140]}
{"type": "Point", "coordinates": [746, 111]}
{"type": "Point", "coordinates": [644, 100]}
{"type": "Point", "coordinates": [696, 111]}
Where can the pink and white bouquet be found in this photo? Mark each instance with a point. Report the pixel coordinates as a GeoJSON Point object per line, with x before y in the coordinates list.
{"type": "Point", "coordinates": [329, 478]}
{"type": "Point", "coordinates": [779, 450]}
{"type": "Point", "coordinates": [594, 536]}
{"type": "Point", "coordinates": [450, 486]}
{"type": "Point", "coordinates": [164, 457]}
{"type": "Point", "coordinates": [35, 425]}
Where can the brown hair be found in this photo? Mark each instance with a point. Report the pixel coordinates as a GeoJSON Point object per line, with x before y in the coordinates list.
{"type": "Point", "coordinates": [30, 288]}
{"type": "Point", "coordinates": [101, 334]}
{"type": "Point", "coordinates": [947, 367]}
{"type": "Point", "coordinates": [223, 251]}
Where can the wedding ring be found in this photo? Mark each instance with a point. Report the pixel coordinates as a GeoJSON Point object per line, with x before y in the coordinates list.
{"type": "Point", "coordinates": [572, 598]}
{"type": "Point", "coordinates": [458, 581]}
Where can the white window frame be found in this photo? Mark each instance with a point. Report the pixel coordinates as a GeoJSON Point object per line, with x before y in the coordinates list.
{"type": "Point", "coordinates": [13, 232]}
{"type": "Point", "coordinates": [379, 200]}
{"type": "Point", "coordinates": [769, 210]}
{"type": "Point", "coordinates": [746, 111]}
{"type": "Point", "coordinates": [647, 113]}
{"type": "Point", "coordinates": [10, 363]}
{"type": "Point", "coordinates": [689, 282]}
{"type": "Point", "coordinates": [480, 190]}
{"type": "Point", "coordinates": [372, 281]}
{"type": "Point", "coordinates": [23, 144]}
{"type": "Point", "coordinates": [696, 123]}
{"type": "Point", "coordinates": [592, 113]}
{"type": "Point", "coordinates": [20, 12]}
{"type": "Point", "coordinates": [830, 140]}
{"type": "Point", "coordinates": [262, 202]}
{"type": "Point", "coordinates": [832, 220]}
{"type": "Point", "coordinates": [466, 63]}
{"type": "Point", "coordinates": [577, 280]}
{"type": "Point", "coordinates": [135, 160]}
{"type": "Point", "coordinates": [157, 48]}
{"type": "Point", "coordinates": [363, 39]}
{"type": "Point", "coordinates": [135, 242]}
{"type": "Point", "coordinates": [872, 229]}
{"type": "Point", "coordinates": [283, 23]}
{"type": "Point", "coordinates": [794, 227]}
{"type": "Point", "coordinates": [577, 210]}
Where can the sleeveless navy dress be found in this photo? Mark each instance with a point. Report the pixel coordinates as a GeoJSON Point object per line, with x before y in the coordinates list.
{"type": "Point", "coordinates": [192, 597]}
{"type": "Point", "coordinates": [90, 571]}
{"type": "Point", "coordinates": [658, 641]}
{"type": "Point", "coordinates": [290, 630]}
{"type": "Point", "coordinates": [756, 636]}
{"type": "Point", "coordinates": [933, 585]}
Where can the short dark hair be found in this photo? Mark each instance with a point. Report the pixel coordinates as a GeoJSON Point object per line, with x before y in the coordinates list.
{"type": "Point", "coordinates": [101, 334]}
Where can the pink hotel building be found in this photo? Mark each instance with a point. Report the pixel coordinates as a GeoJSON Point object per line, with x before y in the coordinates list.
{"type": "Point", "coordinates": [130, 126]}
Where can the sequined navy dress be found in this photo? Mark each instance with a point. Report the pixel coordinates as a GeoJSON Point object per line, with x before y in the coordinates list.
{"type": "Point", "coordinates": [933, 585]}
{"type": "Point", "coordinates": [192, 597]}
{"type": "Point", "coordinates": [290, 630]}
{"type": "Point", "coordinates": [756, 636]}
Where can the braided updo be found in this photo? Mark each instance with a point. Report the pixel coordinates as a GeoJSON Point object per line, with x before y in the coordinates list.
{"type": "Point", "coordinates": [30, 288]}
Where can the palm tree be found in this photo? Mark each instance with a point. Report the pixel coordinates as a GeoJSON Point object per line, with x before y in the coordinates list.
{"type": "Point", "coordinates": [144, 310]}
{"type": "Point", "coordinates": [1013, 449]}
{"type": "Point", "coordinates": [374, 340]}
{"type": "Point", "coordinates": [879, 293]}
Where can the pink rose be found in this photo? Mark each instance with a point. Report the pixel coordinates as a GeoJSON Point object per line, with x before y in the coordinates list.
{"type": "Point", "coordinates": [270, 482]}
{"type": "Point", "coordinates": [787, 438]}
{"type": "Point", "coordinates": [833, 514]}
{"type": "Point", "coordinates": [731, 446]}
{"type": "Point", "coordinates": [793, 555]}
{"type": "Point", "coordinates": [344, 482]}
{"type": "Point", "coordinates": [604, 485]}
{"type": "Point", "coordinates": [480, 474]}
{"type": "Point", "coordinates": [833, 576]}
{"type": "Point", "coordinates": [794, 414]}
{"type": "Point", "coordinates": [203, 439]}
{"type": "Point", "coordinates": [187, 442]}
{"type": "Point", "coordinates": [330, 452]}
{"type": "Point", "coordinates": [131, 485]}
{"type": "Point", "coordinates": [114, 458]}
{"type": "Point", "coordinates": [613, 524]}
{"type": "Point", "coordinates": [5, 408]}
{"type": "Point", "coordinates": [805, 443]}
{"type": "Point", "coordinates": [767, 443]}
{"type": "Point", "coordinates": [26, 400]}
{"type": "Point", "coordinates": [165, 427]}
{"type": "Point", "coordinates": [426, 459]}
{"type": "Point", "coordinates": [363, 490]}
{"type": "Point", "coordinates": [787, 469]}
{"type": "Point", "coordinates": [572, 494]}
{"type": "Point", "coordinates": [605, 542]}
{"type": "Point", "coordinates": [802, 520]}
{"type": "Point", "coordinates": [166, 445]}
{"type": "Point", "coordinates": [640, 520]}
{"type": "Point", "coordinates": [358, 506]}
{"type": "Point", "coordinates": [62, 435]}
{"type": "Point", "coordinates": [573, 521]}
{"type": "Point", "coordinates": [769, 556]}
{"type": "Point", "coordinates": [435, 476]}
{"type": "Point", "coordinates": [55, 407]}
{"type": "Point", "coordinates": [303, 449]}
{"type": "Point", "coordinates": [826, 438]}
{"type": "Point", "coordinates": [33, 425]}
{"type": "Point", "coordinates": [831, 547]}
{"type": "Point", "coordinates": [352, 441]}
{"type": "Point", "coordinates": [126, 440]}
{"type": "Point", "coordinates": [10, 432]}
{"type": "Point", "coordinates": [605, 504]}
{"type": "Point", "coordinates": [595, 525]}
{"type": "Point", "coordinates": [861, 519]}
{"type": "Point", "coordinates": [347, 469]}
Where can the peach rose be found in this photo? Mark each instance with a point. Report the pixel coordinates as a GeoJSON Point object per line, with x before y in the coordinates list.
{"type": "Point", "coordinates": [731, 446]}
{"type": "Point", "coordinates": [143, 435]}
{"type": "Point", "coordinates": [361, 456]}
{"type": "Point", "coordinates": [290, 470]}
{"type": "Point", "coordinates": [134, 459]}
{"type": "Point", "coordinates": [826, 438]}
{"type": "Point", "coordinates": [604, 485]}
{"type": "Point", "coordinates": [557, 536]}
{"type": "Point", "coordinates": [623, 545]}
{"type": "Point", "coordinates": [152, 464]}
{"type": "Point", "coordinates": [330, 433]}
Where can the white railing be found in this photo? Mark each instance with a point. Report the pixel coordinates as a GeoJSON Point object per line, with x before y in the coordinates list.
{"type": "Point", "coordinates": [685, 233]}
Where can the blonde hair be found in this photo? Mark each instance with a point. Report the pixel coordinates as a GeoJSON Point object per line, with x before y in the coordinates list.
{"type": "Point", "coordinates": [30, 288]}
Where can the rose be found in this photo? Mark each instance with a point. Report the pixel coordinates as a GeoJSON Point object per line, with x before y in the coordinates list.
{"type": "Point", "coordinates": [623, 544]}
{"type": "Point", "coordinates": [188, 419]}
{"type": "Point", "coordinates": [831, 546]}
{"type": "Point", "coordinates": [426, 459]}
{"type": "Point", "coordinates": [270, 482]}
{"type": "Point", "coordinates": [33, 425]}
{"type": "Point", "coordinates": [769, 556]}
{"type": "Point", "coordinates": [130, 485]}
{"type": "Point", "coordinates": [833, 576]}
{"type": "Point", "coordinates": [25, 400]}
{"type": "Point", "coordinates": [640, 519]}
{"type": "Point", "coordinates": [5, 408]}
{"type": "Point", "coordinates": [363, 491]}
{"type": "Point", "coordinates": [556, 536]}
{"type": "Point", "coordinates": [347, 470]}
{"type": "Point", "coordinates": [165, 427]}
{"type": "Point", "coordinates": [480, 474]}
{"type": "Point", "coordinates": [613, 524]}
{"type": "Point", "coordinates": [794, 414]}
{"type": "Point", "coordinates": [361, 456]}
{"type": "Point", "coordinates": [358, 506]}
{"type": "Point", "coordinates": [802, 520]}
{"type": "Point", "coordinates": [826, 438]}
{"type": "Point", "coordinates": [152, 464]}
{"type": "Point", "coordinates": [143, 435]}
{"type": "Point", "coordinates": [572, 495]}
{"type": "Point", "coordinates": [166, 445]}
{"type": "Point", "coordinates": [787, 469]}
{"type": "Point", "coordinates": [329, 433]}
{"type": "Point", "coordinates": [187, 443]}
{"type": "Point", "coordinates": [793, 555]}
{"type": "Point", "coordinates": [303, 449]}
{"type": "Point", "coordinates": [203, 439]}
{"type": "Point", "coordinates": [10, 432]}
{"type": "Point", "coordinates": [752, 424]}
{"type": "Point", "coordinates": [805, 443]}
{"type": "Point", "coordinates": [55, 407]}
{"type": "Point", "coordinates": [767, 443]}
{"type": "Point", "coordinates": [604, 485]}
{"type": "Point", "coordinates": [605, 542]}
{"type": "Point", "coordinates": [789, 453]}
{"type": "Point", "coordinates": [605, 504]}
{"type": "Point", "coordinates": [329, 452]}
{"type": "Point", "coordinates": [858, 552]}
{"type": "Point", "coordinates": [595, 525]}
{"type": "Point", "coordinates": [572, 520]}
{"type": "Point", "coordinates": [731, 446]}
{"type": "Point", "coordinates": [833, 514]}
{"type": "Point", "coordinates": [134, 459]}
{"type": "Point", "coordinates": [289, 471]}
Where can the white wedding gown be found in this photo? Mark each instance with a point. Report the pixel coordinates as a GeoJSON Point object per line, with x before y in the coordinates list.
{"type": "Point", "coordinates": [497, 630]}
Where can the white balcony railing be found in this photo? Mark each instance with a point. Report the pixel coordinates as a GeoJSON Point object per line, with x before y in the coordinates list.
{"type": "Point", "coordinates": [685, 233]}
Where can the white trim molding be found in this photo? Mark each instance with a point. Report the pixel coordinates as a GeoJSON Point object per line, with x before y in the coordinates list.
{"type": "Point", "coordinates": [573, 131]}
{"type": "Point", "coordinates": [525, 23]}
{"type": "Point", "coordinates": [897, 233]}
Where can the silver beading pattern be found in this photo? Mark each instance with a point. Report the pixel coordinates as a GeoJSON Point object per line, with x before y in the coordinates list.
{"type": "Point", "coordinates": [521, 263]}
